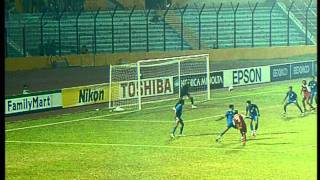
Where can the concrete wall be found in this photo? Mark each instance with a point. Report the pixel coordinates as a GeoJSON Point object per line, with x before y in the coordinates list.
{"type": "Point", "coordinates": [93, 5]}
{"type": "Point", "coordinates": [140, 4]}
{"type": "Point", "coordinates": [28, 63]}
{"type": "Point", "coordinates": [209, 3]}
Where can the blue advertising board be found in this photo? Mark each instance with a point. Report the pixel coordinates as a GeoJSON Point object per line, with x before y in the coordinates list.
{"type": "Point", "coordinates": [280, 72]}
{"type": "Point", "coordinates": [300, 70]}
{"type": "Point", "coordinates": [216, 80]}
{"type": "Point", "coordinates": [199, 81]}
{"type": "Point", "coordinates": [33, 102]}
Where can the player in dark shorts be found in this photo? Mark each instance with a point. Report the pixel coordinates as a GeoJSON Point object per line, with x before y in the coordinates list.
{"type": "Point", "coordinates": [254, 113]}
{"type": "Point", "coordinates": [185, 92]}
{"type": "Point", "coordinates": [177, 118]}
{"type": "Point", "coordinates": [306, 96]}
{"type": "Point", "coordinates": [292, 99]}
{"type": "Point", "coordinates": [229, 116]}
{"type": "Point", "coordinates": [313, 87]}
{"type": "Point", "coordinates": [241, 126]}
{"type": "Point", "coordinates": [236, 122]}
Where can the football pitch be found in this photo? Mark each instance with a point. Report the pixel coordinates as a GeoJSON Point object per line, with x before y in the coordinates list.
{"type": "Point", "coordinates": [137, 145]}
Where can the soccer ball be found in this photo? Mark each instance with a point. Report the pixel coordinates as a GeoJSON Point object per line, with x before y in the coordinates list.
{"type": "Point", "coordinates": [230, 88]}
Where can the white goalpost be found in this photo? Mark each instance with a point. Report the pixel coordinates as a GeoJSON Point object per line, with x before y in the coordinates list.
{"type": "Point", "coordinates": [156, 80]}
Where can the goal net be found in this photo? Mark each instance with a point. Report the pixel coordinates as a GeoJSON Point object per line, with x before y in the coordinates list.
{"type": "Point", "coordinates": [123, 91]}
{"type": "Point", "coordinates": [157, 80]}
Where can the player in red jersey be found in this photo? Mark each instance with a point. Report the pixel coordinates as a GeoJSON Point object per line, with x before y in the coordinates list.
{"type": "Point", "coordinates": [306, 95]}
{"type": "Point", "coordinates": [241, 126]}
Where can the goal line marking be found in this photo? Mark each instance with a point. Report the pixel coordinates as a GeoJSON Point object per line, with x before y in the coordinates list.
{"type": "Point", "coordinates": [152, 121]}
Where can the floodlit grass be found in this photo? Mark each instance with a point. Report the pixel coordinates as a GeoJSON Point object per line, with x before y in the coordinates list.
{"type": "Point", "coordinates": [137, 145]}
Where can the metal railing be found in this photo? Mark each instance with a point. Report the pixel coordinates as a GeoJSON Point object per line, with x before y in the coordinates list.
{"type": "Point", "coordinates": [150, 34]}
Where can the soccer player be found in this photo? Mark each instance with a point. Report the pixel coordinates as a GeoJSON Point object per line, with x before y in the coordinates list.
{"type": "Point", "coordinates": [313, 87]}
{"type": "Point", "coordinates": [253, 116]}
{"type": "Point", "coordinates": [241, 126]}
{"type": "Point", "coordinates": [292, 99]}
{"type": "Point", "coordinates": [236, 122]}
{"type": "Point", "coordinates": [306, 95]}
{"type": "Point", "coordinates": [185, 92]}
{"type": "Point", "coordinates": [229, 115]}
{"type": "Point", "coordinates": [178, 119]}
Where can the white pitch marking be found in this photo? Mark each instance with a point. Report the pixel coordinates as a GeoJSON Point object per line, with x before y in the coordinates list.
{"type": "Point", "coordinates": [107, 115]}
{"type": "Point", "coordinates": [152, 146]}
{"type": "Point", "coordinates": [152, 121]}
{"type": "Point", "coordinates": [128, 120]}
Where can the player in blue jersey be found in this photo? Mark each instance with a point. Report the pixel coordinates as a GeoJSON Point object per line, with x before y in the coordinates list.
{"type": "Point", "coordinates": [229, 115]}
{"type": "Point", "coordinates": [292, 99]}
{"type": "Point", "coordinates": [313, 87]}
{"type": "Point", "coordinates": [178, 119]}
{"type": "Point", "coordinates": [254, 113]}
{"type": "Point", "coordinates": [235, 120]}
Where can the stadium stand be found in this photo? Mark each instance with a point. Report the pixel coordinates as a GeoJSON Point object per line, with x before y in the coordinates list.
{"type": "Point", "coordinates": [299, 11]}
{"type": "Point", "coordinates": [261, 34]}
{"type": "Point", "coordinates": [86, 32]}
{"type": "Point", "coordinates": [243, 27]}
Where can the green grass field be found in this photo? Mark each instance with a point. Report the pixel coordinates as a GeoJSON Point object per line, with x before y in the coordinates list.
{"type": "Point", "coordinates": [137, 145]}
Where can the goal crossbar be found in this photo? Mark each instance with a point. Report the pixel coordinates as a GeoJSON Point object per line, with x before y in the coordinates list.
{"type": "Point", "coordinates": [171, 58]}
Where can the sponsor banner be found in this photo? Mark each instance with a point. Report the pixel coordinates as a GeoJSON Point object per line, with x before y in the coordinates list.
{"type": "Point", "coordinates": [33, 102]}
{"type": "Point", "coordinates": [149, 87]}
{"type": "Point", "coordinates": [280, 72]}
{"type": "Point", "coordinates": [245, 76]}
{"type": "Point", "coordinates": [199, 81]}
{"type": "Point", "coordinates": [216, 80]}
{"type": "Point", "coordinates": [84, 95]}
{"type": "Point", "coordinates": [300, 70]}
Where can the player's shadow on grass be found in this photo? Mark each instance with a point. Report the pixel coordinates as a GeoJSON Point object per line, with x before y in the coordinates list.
{"type": "Point", "coordinates": [259, 139]}
{"type": "Point", "coordinates": [169, 141]}
{"type": "Point", "coordinates": [215, 134]}
{"type": "Point", "coordinates": [224, 144]}
{"type": "Point", "coordinates": [279, 143]}
{"type": "Point", "coordinates": [203, 134]}
{"type": "Point", "coordinates": [209, 134]}
{"type": "Point", "coordinates": [234, 150]}
{"type": "Point", "coordinates": [250, 139]}
{"type": "Point", "coordinates": [276, 133]}
{"type": "Point", "coordinates": [289, 118]}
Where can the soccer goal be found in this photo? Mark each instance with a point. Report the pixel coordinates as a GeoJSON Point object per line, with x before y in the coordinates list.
{"type": "Point", "coordinates": [155, 80]}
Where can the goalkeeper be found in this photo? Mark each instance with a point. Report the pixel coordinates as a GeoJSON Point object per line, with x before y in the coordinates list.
{"type": "Point", "coordinates": [185, 92]}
